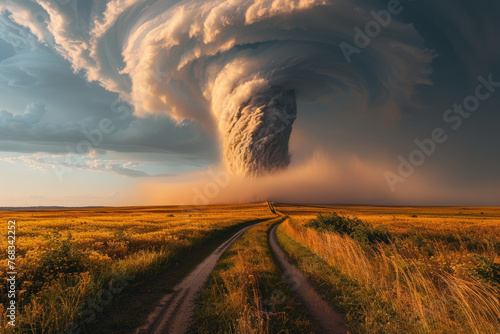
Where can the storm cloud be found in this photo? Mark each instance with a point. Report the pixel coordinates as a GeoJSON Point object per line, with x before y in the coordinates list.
{"type": "Point", "coordinates": [204, 61]}
{"type": "Point", "coordinates": [257, 85]}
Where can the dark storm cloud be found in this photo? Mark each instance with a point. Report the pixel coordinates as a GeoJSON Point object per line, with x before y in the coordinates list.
{"type": "Point", "coordinates": [44, 107]}
{"type": "Point", "coordinates": [133, 135]}
{"type": "Point", "coordinates": [203, 60]}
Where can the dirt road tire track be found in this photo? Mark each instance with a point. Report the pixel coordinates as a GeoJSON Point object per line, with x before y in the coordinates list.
{"type": "Point", "coordinates": [321, 313]}
{"type": "Point", "coordinates": [175, 309]}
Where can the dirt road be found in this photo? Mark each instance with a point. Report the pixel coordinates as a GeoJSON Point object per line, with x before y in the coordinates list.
{"type": "Point", "coordinates": [175, 309]}
{"type": "Point", "coordinates": [272, 207]}
{"type": "Point", "coordinates": [325, 317]}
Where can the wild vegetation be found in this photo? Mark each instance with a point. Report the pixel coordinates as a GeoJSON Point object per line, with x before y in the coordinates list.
{"type": "Point", "coordinates": [71, 262]}
{"type": "Point", "coordinates": [402, 270]}
{"type": "Point", "coordinates": [246, 292]}
{"type": "Point", "coordinates": [389, 270]}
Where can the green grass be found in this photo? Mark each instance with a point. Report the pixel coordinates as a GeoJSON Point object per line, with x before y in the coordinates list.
{"type": "Point", "coordinates": [246, 292]}
{"type": "Point", "coordinates": [353, 227]}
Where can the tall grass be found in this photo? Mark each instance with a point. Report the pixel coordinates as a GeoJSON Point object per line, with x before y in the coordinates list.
{"type": "Point", "coordinates": [431, 288]}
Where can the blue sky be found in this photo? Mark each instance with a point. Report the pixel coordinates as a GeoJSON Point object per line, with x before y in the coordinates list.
{"type": "Point", "coordinates": [163, 77]}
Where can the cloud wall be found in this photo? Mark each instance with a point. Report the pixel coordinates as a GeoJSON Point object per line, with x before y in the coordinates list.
{"type": "Point", "coordinates": [240, 68]}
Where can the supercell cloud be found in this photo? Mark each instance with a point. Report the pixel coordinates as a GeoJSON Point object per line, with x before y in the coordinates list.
{"type": "Point", "coordinates": [242, 69]}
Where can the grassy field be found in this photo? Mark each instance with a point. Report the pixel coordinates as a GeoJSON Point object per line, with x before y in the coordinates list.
{"type": "Point", "coordinates": [246, 292]}
{"type": "Point", "coordinates": [402, 270]}
{"type": "Point", "coordinates": [393, 270]}
{"type": "Point", "coordinates": [72, 262]}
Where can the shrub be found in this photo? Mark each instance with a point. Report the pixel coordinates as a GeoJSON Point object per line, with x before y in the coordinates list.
{"type": "Point", "coordinates": [63, 258]}
{"type": "Point", "coordinates": [353, 227]}
{"type": "Point", "coordinates": [487, 270]}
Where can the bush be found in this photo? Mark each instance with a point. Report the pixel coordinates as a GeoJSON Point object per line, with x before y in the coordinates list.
{"type": "Point", "coordinates": [353, 227]}
{"type": "Point", "coordinates": [63, 258]}
{"type": "Point", "coordinates": [487, 270]}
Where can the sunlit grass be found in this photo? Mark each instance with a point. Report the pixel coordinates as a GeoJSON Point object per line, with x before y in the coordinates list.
{"type": "Point", "coordinates": [436, 276]}
{"type": "Point", "coordinates": [65, 257]}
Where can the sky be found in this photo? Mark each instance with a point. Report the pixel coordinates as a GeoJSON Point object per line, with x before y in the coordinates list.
{"type": "Point", "coordinates": [140, 102]}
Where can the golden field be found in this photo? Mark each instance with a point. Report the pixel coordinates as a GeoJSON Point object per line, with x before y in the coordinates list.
{"type": "Point", "coordinates": [435, 220]}
{"type": "Point", "coordinates": [65, 257]}
{"type": "Point", "coordinates": [440, 272]}
{"type": "Point", "coordinates": [428, 270]}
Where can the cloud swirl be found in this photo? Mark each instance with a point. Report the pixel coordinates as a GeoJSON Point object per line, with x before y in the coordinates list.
{"type": "Point", "coordinates": [241, 68]}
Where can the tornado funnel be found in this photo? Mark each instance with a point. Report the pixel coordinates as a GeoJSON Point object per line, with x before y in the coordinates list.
{"type": "Point", "coordinates": [256, 135]}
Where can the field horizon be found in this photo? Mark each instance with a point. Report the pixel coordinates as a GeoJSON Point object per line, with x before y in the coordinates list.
{"type": "Point", "coordinates": [55, 207]}
{"type": "Point", "coordinates": [152, 253]}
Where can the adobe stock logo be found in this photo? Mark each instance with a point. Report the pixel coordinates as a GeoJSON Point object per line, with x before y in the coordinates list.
{"type": "Point", "coordinates": [211, 189]}
{"type": "Point", "coordinates": [362, 39]}
{"type": "Point", "coordinates": [454, 118]}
